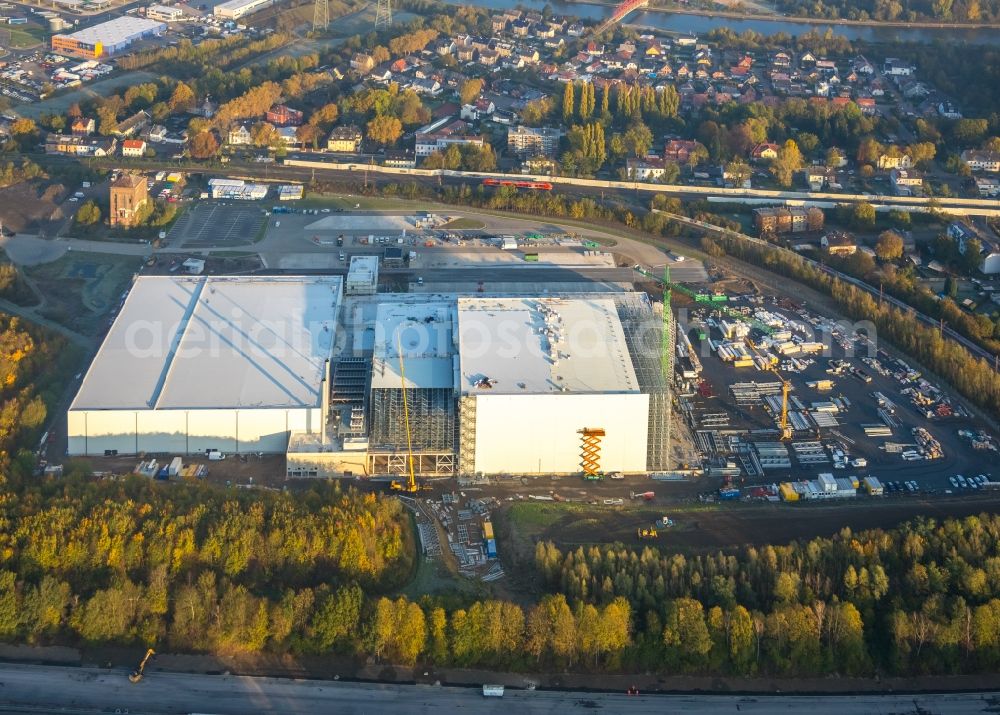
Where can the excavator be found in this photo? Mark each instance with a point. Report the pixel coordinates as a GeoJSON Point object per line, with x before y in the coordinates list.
{"type": "Point", "coordinates": [136, 675]}
{"type": "Point", "coordinates": [410, 486]}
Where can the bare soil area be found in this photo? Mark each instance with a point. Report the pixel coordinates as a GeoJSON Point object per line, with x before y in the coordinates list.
{"type": "Point", "coordinates": [32, 207]}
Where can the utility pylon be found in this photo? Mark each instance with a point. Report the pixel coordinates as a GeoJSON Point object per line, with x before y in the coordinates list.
{"type": "Point", "coordinates": [321, 14]}
{"type": "Point", "coordinates": [383, 14]}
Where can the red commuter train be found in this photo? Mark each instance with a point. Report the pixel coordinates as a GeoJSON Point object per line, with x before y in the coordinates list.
{"type": "Point", "coordinates": [536, 185]}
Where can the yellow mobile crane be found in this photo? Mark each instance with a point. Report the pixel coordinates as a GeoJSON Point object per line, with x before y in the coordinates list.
{"type": "Point", "coordinates": [785, 429]}
{"type": "Point", "coordinates": [136, 675]}
{"type": "Point", "coordinates": [410, 486]}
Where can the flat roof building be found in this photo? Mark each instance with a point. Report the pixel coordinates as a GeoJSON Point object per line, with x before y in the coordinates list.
{"type": "Point", "coordinates": [494, 385]}
{"type": "Point", "coordinates": [362, 276]}
{"type": "Point", "coordinates": [543, 370]}
{"type": "Point", "coordinates": [197, 362]}
{"type": "Point", "coordinates": [235, 9]}
{"type": "Point", "coordinates": [164, 13]}
{"type": "Point", "coordinates": [107, 38]}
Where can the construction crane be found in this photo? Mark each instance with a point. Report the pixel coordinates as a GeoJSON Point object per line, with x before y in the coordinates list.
{"type": "Point", "coordinates": [410, 486]}
{"type": "Point", "coordinates": [786, 430]}
{"type": "Point", "coordinates": [136, 675]}
{"type": "Point", "coordinates": [713, 300]}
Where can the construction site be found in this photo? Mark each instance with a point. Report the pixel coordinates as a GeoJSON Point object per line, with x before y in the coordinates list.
{"type": "Point", "coordinates": [575, 380]}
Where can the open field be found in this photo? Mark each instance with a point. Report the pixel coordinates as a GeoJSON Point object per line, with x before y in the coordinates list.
{"type": "Point", "coordinates": [704, 527]}
{"type": "Point", "coordinates": [80, 289]}
{"type": "Point", "coordinates": [32, 206]}
{"type": "Point", "coordinates": [21, 37]}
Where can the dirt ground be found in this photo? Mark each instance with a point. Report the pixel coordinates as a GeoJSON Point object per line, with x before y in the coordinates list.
{"type": "Point", "coordinates": [32, 207]}
{"type": "Point", "coordinates": [707, 528]}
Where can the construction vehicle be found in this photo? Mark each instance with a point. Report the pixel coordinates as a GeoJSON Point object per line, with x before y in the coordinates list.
{"type": "Point", "coordinates": [645, 533]}
{"type": "Point", "coordinates": [785, 430]}
{"type": "Point", "coordinates": [410, 486]}
{"type": "Point", "coordinates": [666, 522]}
{"type": "Point", "coordinates": [136, 675]}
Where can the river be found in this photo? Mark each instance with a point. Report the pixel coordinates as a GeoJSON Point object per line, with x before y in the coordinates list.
{"type": "Point", "coordinates": [701, 24]}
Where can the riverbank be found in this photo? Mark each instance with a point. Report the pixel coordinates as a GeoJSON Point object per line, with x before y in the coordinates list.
{"type": "Point", "coordinates": [775, 17]}
{"type": "Point", "coordinates": [697, 21]}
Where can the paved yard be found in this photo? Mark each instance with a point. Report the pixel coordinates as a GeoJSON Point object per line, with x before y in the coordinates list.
{"type": "Point", "coordinates": [217, 225]}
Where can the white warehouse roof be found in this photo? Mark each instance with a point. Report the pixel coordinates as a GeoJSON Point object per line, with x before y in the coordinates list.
{"type": "Point", "coordinates": [425, 331]}
{"type": "Point", "coordinates": [543, 345]}
{"type": "Point", "coordinates": [216, 342]}
{"type": "Point", "coordinates": [115, 32]}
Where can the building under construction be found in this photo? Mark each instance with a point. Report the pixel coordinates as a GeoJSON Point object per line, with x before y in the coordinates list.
{"type": "Point", "coordinates": [496, 385]}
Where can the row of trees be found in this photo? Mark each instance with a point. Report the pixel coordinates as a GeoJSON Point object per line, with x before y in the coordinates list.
{"type": "Point", "coordinates": [924, 596]}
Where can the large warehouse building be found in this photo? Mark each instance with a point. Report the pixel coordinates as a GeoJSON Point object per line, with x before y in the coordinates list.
{"type": "Point", "coordinates": [107, 38]}
{"type": "Point", "coordinates": [496, 385]}
{"type": "Point", "coordinates": [235, 9]}
{"type": "Point", "coordinates": [200, 363]}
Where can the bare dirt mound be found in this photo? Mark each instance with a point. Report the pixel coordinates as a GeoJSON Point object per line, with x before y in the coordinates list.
{"type": "Point", "coordinates": [32, 206]}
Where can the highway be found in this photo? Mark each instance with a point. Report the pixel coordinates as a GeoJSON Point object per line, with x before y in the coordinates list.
{"type": "Point", "coordinates": [73, 691]}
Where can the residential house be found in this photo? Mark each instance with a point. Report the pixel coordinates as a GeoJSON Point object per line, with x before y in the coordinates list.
{"type": "Point", "coordinates": [399, 159]}
{"type": "Point", "coordinates": [362, 62]}
{"type": "Point", "coordinates": [894, 160]}
{"type": "Point", "coordinates": [895, 67]}
{"type": "Point", "coordinates": [282, 115]}
{"type": "Point", "coordinates": [989, 250]}
{"type": "Point", "coordinates": [240, 136]}
{"type": "Point", "coordinates": [80, 146]}
{"type": "Point", "coordinates": [679, 150]}
{"type": "Point", "coordinates": [132, 125]}
{"type": "Point", "coordinates": [504, 116]}
{"type": "Point", "coordinates": [765, 151]}
{"type": "Point", "coordinates": [948, 110]}
{"type": "Point", "coordinates": [133, 148]}
{"type": "Point", "coordinates": [481, 108]}
{"type": "Point", "coordinates": [906, 182]}
{"type": "Point", "coordinates": [988, 186]}
{"type": "Point", "coordinates": [982, 160]}
{"type": "Point", "coordinates": [289, 137]}
{"type": "Point", "coordinates": [839, 243]}
{"type": "Point", "coordinates": [649, 168]}
{"type": "Point", "coordinates": [426, 87]}
{"type": "Point", "coordinates": [427, 144]}
{"type": "Point", "coordinates": [82, 127]}
{"type": "Point", "coordinates": [157, 134]}
{"type": "Point", "coordinates": [346, 138]}
{"type": "Point", "coordinates": [867, 105]}
{"type": "Point", "coordinates": [814, 177]}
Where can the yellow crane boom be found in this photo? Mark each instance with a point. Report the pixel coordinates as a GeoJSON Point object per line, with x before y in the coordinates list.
{"type": "Point", "coordinates": [410, 486]}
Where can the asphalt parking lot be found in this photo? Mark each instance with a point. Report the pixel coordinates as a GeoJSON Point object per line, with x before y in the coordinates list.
{"type": "Point", "coordinates": [210, 224]}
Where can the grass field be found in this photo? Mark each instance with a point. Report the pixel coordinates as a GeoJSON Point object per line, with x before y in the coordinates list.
{"type": "Point", "coordinates": [21, 37]}
{"type": "Point", "coordinates": [80, 289]}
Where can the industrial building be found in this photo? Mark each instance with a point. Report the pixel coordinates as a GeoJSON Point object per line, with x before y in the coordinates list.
{"type": "Point", "coordinates": [235, 9]}
{"type": "Point", "coordinates": [164, 13]}
{"type": "Point", "coordinates": [199, 363]}
{"type": "Point", "coordinates": [362, 276]}
{"type": "Point", "coordinates": [236, 189]}
{"type": "Point", "coordinates": [107, 38]}
{"type": "Point", "coordinates": [494, 385]}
